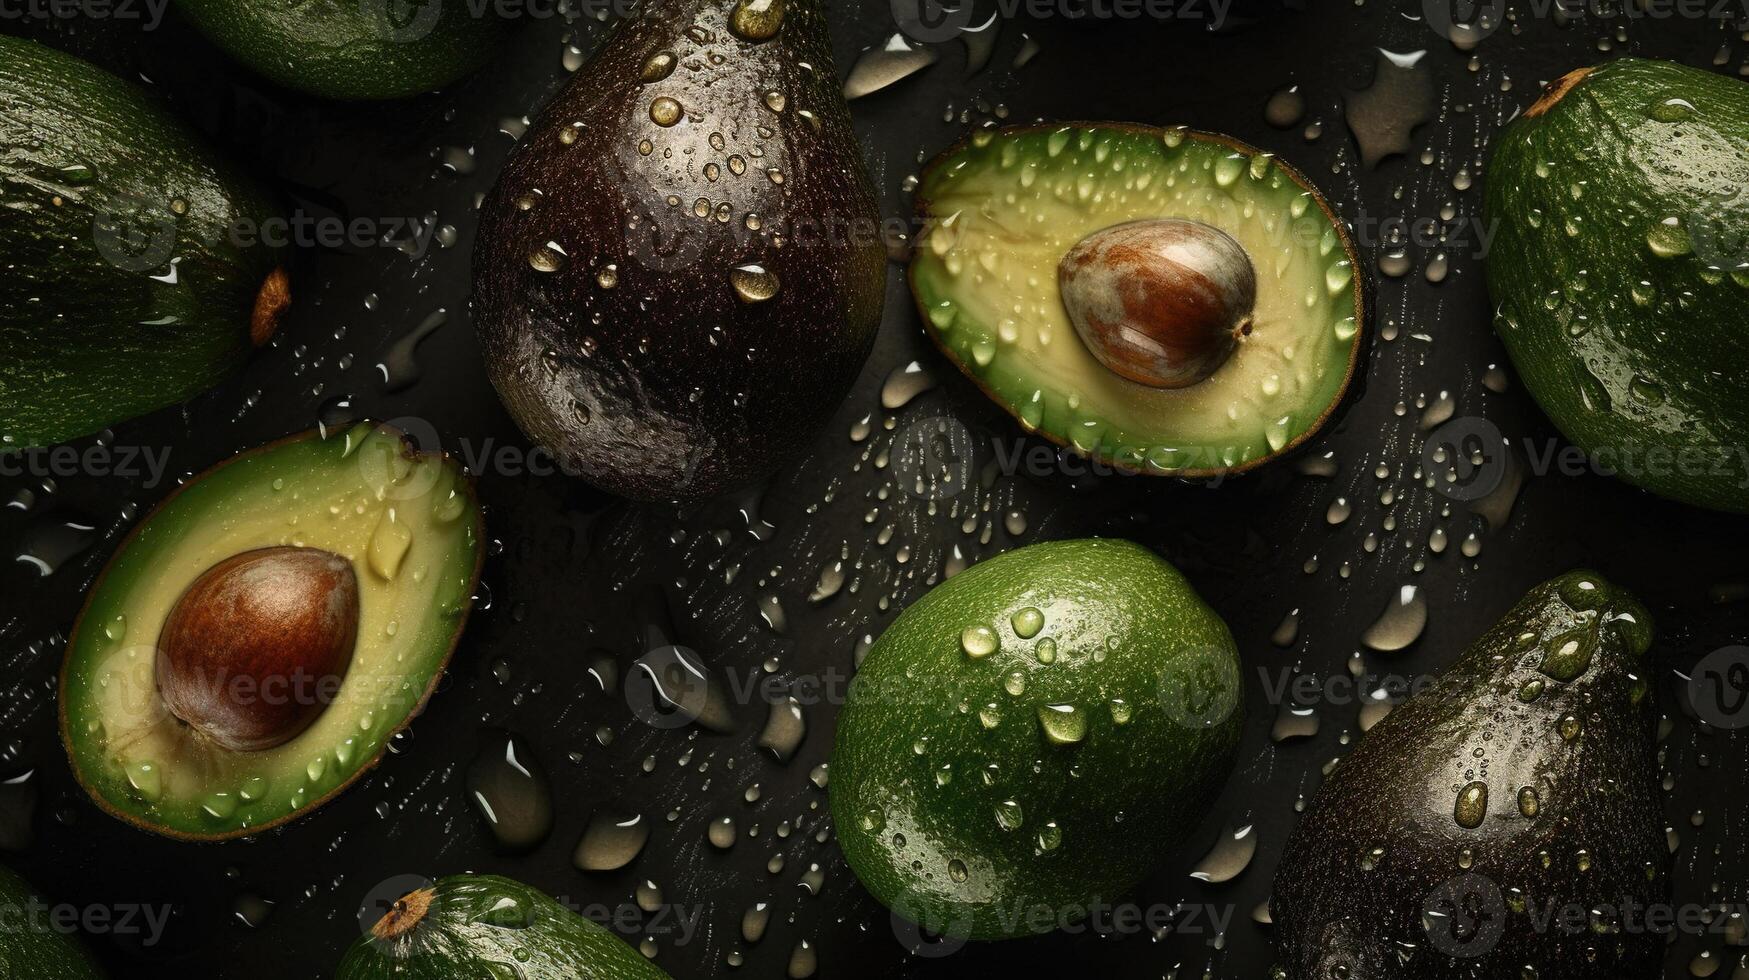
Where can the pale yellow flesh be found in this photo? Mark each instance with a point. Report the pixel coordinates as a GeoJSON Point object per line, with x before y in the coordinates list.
{"type": "Point", "coordinates": [407, 526]}
{"type": "Point", "coordinates": [1002, 215]}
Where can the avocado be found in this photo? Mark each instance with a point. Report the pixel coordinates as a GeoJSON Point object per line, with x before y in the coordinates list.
{"type": "Point", "coordinates": [1522, 784]}
{"type": "Point", "coordinates": [125, 288]}
{"type": "Point", "coordinates": [1620, 271]}
{"type": "Point", "coordinates": [680, 270]}
{"type": "Point", "coordinates": [255, 642]}
{"type": "Point", "coordinates": [353, 50]}
{"type": "Point", "coordinates": [1163, 301]}
{"type": "Point", "coordinates": [487, 927]}
{"type": "Point", "coordinates": [34, 944]}
{"type": "Point", "coordinates": [1034, 733]}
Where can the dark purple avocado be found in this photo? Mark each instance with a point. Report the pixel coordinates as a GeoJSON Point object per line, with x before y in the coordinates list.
{"type": "Point", "coordinates": [679, 273]}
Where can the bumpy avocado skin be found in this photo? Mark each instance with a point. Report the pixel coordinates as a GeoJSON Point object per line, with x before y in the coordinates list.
{"type": "Point", "coordinates": [943, 758]}
{"type": "Point", "coordinates": [1621, 272]}
{"type": "Point", "coordinates": [31, 946]}
{"type": "Point", "coordinates": [1397, 844]}
{"type": "Point", "coordinates": [679, 272]}
{"type": "Point", "coordinates": [102, 189]}
{"type": "Point", "coordinates": [353, 50]}
{"type": "Point", "coordinates": [350, 493]}
{"type": "Point", "coordinates": [489, 926]}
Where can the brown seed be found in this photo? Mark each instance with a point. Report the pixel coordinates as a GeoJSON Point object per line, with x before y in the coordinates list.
{"type": "Point", "coordinates": [255, 649]}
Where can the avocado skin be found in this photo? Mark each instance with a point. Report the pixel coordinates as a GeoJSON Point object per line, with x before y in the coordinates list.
{"type": "Point", "coordinates": [88, 343]}
{"type": "Point", "coordinates": [1632, 171]}
{"type": "Point", "coordinates": [30, 945]}
{"type": "Point", "coordinates": [1136, 790]}
{"type": "Point", "coordinates": [351, 50]}
{"type": "Point", "coordinates": [452, 941]}
{"type": "Point", "coordinates": [1398, 790]}
{"type": "Point", "coordinates": [686, 391]}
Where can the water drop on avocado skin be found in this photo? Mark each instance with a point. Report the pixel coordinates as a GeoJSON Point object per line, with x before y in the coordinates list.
{"type": "Point", "coordinates": [1471, 792]}
{"type": "Point", "coordinates": [694, 391]}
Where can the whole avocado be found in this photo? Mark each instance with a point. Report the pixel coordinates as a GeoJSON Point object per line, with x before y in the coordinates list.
{"type": "Point", "coordinates": [488, 926]}
{"type": "Point", "coordinates": [1030, 738]}
{"type": "Point", "coordinates": [1479, 820]}
{"type": "Point", "coordinates": [353, 49]}
{"type": "Point", "coordinates": [679, 273]}
{"type": "Point", "coordinates": [1621, 271]}
{"type": "Point", "coordinates": [34, 943]}
{"type": "Point", "coordinates": [126, 287]}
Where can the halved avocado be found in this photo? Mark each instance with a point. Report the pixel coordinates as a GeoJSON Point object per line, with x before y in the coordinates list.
{"type": "Point", "coordinates": [402, 525]}
{"type": "Point", "coordinates": [489, 927]}
{"type": "Point", "coordinates": [1002, 211]}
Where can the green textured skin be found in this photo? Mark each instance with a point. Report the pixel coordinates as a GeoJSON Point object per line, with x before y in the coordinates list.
{"type": "Point", "coordinates": [1586, 306]}
{"type": "Point", "coordinates": [1121, 797]}
{"type": "Point", "coordinates": [352, 49]}
{"type": "Point", "coordinates": [93, 330]}
{"type": "Point", "coordinates": [492, 928]}
{"type": "Point", "coordinates": [30, 947]}
{"type": "Point", "coordinates": [1381, 841]}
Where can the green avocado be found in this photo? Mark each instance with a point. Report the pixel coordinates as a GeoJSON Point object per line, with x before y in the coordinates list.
{"type": "Point", "coordinates": [1014, 220]}
{"type": "Point", "coordinates": [1620, 271]}
{"type": "Point", "coordinates": [31, 945]}
{"type": "Point", "coordinates": [490, 928]}
{"type": "Point", "coordinates": [380, 543]}
{"type": "Point", "coordinates": [1522, 785]}
{"type": "Point", "coordinates": [353, 50]}
{"type": "Point", "coordinates": [1032, 736]}
{"type": "Point", "coordinates": [124, 289]}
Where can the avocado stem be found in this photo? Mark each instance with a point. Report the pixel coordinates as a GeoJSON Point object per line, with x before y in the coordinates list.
{"type": "Point", "coordinates": [408, 911]}
{"type": "Point", "coordinates": [270, 303]}
{"type": "Point", "coordinates": [1556, 91]}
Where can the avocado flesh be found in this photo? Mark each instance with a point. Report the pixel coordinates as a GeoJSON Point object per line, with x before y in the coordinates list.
{"type": "Point", "coordinates": [962, 810]}
{"type": "Point", "coordinates": [123, 291]}
{"type": "Point", "coordinates": [1549, 713]}
{"type": "Point", "coordinates": [490, 927]}
{"type": "Point", "coordinates": [999, 213]}
{"type": "Point", "coordinates": [143, 765]}
{"type": "Point", "coordinates": [1621, 271]}
{"type": "Point", "coordinates": [351, 50]}
{"type": "Point", "coordinates": [32, 945]}
{"type": "Point", "coordinates": [679, 273]}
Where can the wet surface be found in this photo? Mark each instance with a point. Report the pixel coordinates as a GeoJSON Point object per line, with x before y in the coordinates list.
{"type": "Point", "coordinates": [774, 594]}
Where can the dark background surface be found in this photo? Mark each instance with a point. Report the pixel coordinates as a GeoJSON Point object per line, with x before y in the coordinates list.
{"type": "Point", "coordinates": [564, 559]}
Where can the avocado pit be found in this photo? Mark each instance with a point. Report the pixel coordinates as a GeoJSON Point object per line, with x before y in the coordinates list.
{"type": "Point", "coordinates": [1162, 302]}
{"type": "Point", "coordinates": [254, 651]}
